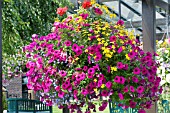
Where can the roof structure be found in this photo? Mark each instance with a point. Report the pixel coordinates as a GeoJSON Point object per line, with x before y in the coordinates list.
{"type": "Point", "coordinates": [131, 12]}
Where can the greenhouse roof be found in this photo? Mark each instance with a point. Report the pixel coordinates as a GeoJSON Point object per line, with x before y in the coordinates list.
{"type": "Point", "coordinates": [131, 13]}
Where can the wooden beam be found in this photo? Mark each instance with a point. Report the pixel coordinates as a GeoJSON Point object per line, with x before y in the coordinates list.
{"type": "Point", "coordinates": [164, 5]}
{"type": "Point", "coordinates": [137, 24]}
{"type": "Point", "coordinates": [149, 32]}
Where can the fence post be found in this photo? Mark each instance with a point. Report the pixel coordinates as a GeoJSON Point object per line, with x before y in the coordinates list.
{"type": "Point", "coordinates": [34, 107]}
{"type": "Point", "coordinates": [51, 109]}
{"type": "Point", "coordinates": [16, 106]}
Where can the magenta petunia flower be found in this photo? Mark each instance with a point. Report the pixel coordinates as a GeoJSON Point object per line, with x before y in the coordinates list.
{"type": "Point", "coordinates": [75, 47]}
{"type": "Point", "coordinates": [120, 65]}
{"type": "Point", "coordinates": [122, 80]}
{"type": "Point", "coordinates": [148, 105]}
{"type": "Point", "coordinates": [109, 85]}
{"type": "Point", "coordinates": [61, 94]}
{"type": "Point", "coordinates": [90, 75]}
{"type": "Point", "coordinates": [120, 50]}
{"type": "Point", "coordinates": [136, 71]}
{"type": "Point", "coordinates": [140, 89]}
{"type": "Point", "coordinates": [98, 57]}
{"type": "Point", "coordinates": [85, 68]}
{"type": "Point", "coordinates": [141, 111]}
{"type": "Point", "coordinates": [132, 54]}
{"type": "Point", "coordinates": [108, 69]}
{"type": "Point", "coordinates": [135, 79]}
{"type": "Point", "coordinates": [120, 22]}
{"type": "Point", "coordinates": [132, 104]}
{"type": "Point", "coordinates": [117, 79]}
{"type": "Point", "coordinates": [144, 71]}
{"type": "Point", "coordinates": [151, 78]}
{"type": "Point", "coordinates": [104, 93]}
{"type": "Point", "coordinates": [132, 89]}
{"type": "Point", "coordinates": [154, 89]}
{"type": "Point", "coordinates": [91, 71]}
{"type": "Point", "coordinates": [98, 11]}
{"type": "Point", "coordinates": [120, 96]}
{"type": "Point", "coordinates": [112, 38]}
{"type": "Point", "coordinates": [67, 43]}
{"type": "Point", "coordinates": [84, 16]}
{"type": "Point", "coordinates": [125, 89]}
{"type": "Point", "coordinates": [57, 88]}
{"type": "Point", "coordinates": [125, 67]}
{"type": "Point", "coordinates": [84, 92]}
{"type": "Point", "coordinates": [62, 73]}
{"type": "Point", "coordinates": [79, 51]}
{"type": "Point", "coordinates": [99, 84]}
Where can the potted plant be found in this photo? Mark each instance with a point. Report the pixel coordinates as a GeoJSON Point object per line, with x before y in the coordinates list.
{"type": "Point", "coordinates": [86, 59]}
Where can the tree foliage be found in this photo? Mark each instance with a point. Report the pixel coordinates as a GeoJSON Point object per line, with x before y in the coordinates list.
{"type": "Point", "coordinates": [22, 18]}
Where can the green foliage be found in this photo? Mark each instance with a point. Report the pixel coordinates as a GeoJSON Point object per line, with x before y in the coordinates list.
{"type": "Point", "coordinates": [22, 18]}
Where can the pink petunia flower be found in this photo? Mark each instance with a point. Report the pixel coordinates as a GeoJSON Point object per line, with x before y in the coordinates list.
{"type": "Point", "coordinates": [67, 43]}
{"type": "Point", "coordinates": [112, 38]}
{"type": "Point", "coordinates": [109, 85]}
{"type": "Point", "coordinates": [120, 65]}
{"type": "Point", "coordinates": [140, 89]}
{"type": "Point", "coordinates": [62, 73]}
{"type": "Point", "coordinates": [104, 93]}
{"type": "Point", "coordinates": [136, 71]}
{"type": "Point", "coordinates": [120, 96]}
{"type": "Point", "coordinates": [61, 94]}
{"type": "Point", "coordinates": [125, 89]}
{"type": "Point", "coordinates": [135, 79]}
{"type": "Point", "coordinates": [117, 79]}
{"type": "Point", "coordinates": [132, 104]}
{"type": "Point", "coordinates": [132, 89]}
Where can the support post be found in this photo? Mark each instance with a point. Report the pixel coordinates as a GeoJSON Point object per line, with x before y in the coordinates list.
{"type": "Point", "coordinates": [65, 109]}
{"type": "Point", "coordinates": [149, 32]}
{"type": "Point", "coordinates": [1, 104]}
{"type": "Point", "coordinates": [119, 9]}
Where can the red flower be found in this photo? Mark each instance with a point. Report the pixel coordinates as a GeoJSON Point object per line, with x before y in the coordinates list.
{"type": "Point", "coordinates": [86, 5]}
{"type": "Point", "coordinates": [61, 11]}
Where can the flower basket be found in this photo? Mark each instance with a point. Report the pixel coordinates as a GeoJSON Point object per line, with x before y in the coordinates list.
{"type": "Point", "coordinates": [87, 61]}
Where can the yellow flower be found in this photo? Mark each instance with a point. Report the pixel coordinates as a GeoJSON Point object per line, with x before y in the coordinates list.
{"type": "Point", "coordinates": [112, 15]}
{"type": "Point", "coordinates": [89, 34]}
{"type": "Point", "coordinates": [77, 58]}
{"type": "Point", "coordinates": [114, 68]}
{"type": "Point", "coordinates": [93, 2]}
{"type": "Point", "coordinates": [95, 90]}
{"type": "Point", "coordinates": [107, 34]}
{"type": "Point", "coordinates": [99, 39]}
{"type": "Point", "coordinates": [108, 55]}
{"type": "Point", "coordinates": [95, 80]}
{"type": "Point", "coordinates": [104, 28]}
{"type": "Point", "coordinates": [123, 47]}
{"type": "Point", "coordinates": [105, 44]}
{"type": "Point", "coordinates": [121, 41]}
{"type": "Point", "coordinates": [106, 50]}
{"type": "Point", "coordinates": [103, 85]}
{"type": "Point", "coordinates": [127, 57]}
{"type": "Point", "coordinates": [86, 50]}
{"type": "Point", "coordinates": [113, 47]}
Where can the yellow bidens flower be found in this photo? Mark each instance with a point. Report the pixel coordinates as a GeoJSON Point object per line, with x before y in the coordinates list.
{"type": "Point", "coordinates": [93, 2]}
{"type": "Point", "coordinates": [114, 68]}
{"type": "Point", "coordinates": [95, 80]}
{"type": "Point", "coordinates": [103, 85]}
{"type": "Point", "coordinates": [127, 57]}
{"type": "Point", "coordinates": [95, 90]}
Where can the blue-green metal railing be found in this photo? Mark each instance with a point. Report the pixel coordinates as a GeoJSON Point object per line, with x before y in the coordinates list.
{"type": "Point", "coordinates": [25, 105]}
{"type": "Point", "coordinates": [114, 108]}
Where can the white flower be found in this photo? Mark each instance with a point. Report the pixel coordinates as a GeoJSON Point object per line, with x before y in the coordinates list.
{"type": "Point", "coordinates": [168, 78]}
